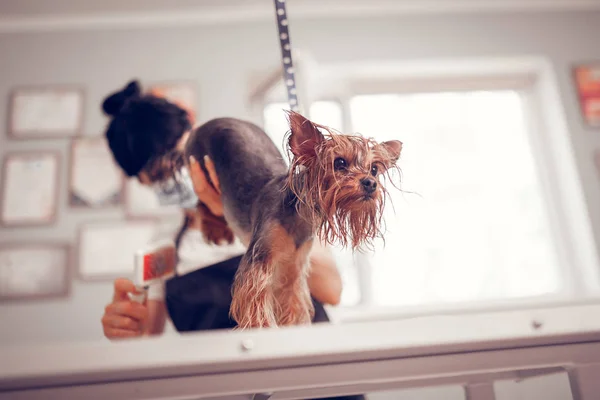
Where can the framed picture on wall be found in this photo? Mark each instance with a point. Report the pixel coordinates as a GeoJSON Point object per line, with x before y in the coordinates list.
{"type": "Point", "coordinates": [587, 78]}
{"type": "Point", "coordinates": [107, 249]}
{"type": "Point", "coordinates": [30, 188]}
{"type": "Point", "coordinates": [34, 271]}
{"type": "Point", "coordinates": [45, 112]}
{"type": "Point", "coordinates": [181, 93]}
{"type": "Point", "coordinates": [95, 179]}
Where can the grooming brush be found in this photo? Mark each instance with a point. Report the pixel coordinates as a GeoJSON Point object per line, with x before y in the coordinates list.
{"type": "Point", "coordinates": [153, 264]}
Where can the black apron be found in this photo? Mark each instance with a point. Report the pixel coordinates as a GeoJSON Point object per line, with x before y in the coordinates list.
{"type": "Point", "coordinates": [200, 300]}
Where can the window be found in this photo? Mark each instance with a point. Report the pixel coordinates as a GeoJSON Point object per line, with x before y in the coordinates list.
{"type": "Point", "coordinates": [275, 123]}
{"type": "Point", "coordinates": [471, 222]}
{"type": "Point", "coordinates": [328, 113]}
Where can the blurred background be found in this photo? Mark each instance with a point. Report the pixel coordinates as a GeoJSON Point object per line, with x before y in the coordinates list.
{"type": "Point", "coordinates": [496, 102]}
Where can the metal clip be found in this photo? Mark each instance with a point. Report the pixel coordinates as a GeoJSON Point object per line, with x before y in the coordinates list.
{"type": "Point", "coordinates": [262, 396]}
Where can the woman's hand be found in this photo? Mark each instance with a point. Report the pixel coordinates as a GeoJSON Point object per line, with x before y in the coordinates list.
{"type": "Point", "coordinates": [207, 193]}
{"type": "Point", "coordinates": [124, 318]}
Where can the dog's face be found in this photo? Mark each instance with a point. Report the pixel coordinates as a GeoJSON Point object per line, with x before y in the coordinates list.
{"type": "Point", "coordinates": [341, 180]}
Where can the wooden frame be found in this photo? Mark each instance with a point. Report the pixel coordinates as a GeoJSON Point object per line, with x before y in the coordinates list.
{"type": "Point", "coordinates": [65, 289]}
{"type": "Point", "coordinates": [44, 221]}
{"type": "Point", "coordinates": [49, 133]}
{"type": "Point", "coordinates": [114, 200]}
{"type": "Point", "coordinates": [117, 225]}
{"type": "Point", "coordinates": [587, 84]}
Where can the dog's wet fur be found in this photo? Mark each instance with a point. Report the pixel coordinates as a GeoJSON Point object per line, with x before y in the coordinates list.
{"type": "Point", "coordinates": [330, 192]}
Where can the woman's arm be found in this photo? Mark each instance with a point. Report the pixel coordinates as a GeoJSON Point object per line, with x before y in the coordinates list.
{"type": "Point", "coordinates": [157, 316]}
{"type": "Point", "coordinates": [124, 318]}
{"type": "Point", "coordinates": [324, 280]}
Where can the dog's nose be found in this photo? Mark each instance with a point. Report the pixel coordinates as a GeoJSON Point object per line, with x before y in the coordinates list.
{"type": "Point", "coordinates": [369, 184]}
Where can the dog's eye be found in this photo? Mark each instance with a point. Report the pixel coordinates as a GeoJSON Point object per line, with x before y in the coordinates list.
{"type": "Point", "coordinates": [374, 170]}
{"type": "Point", "coordinates": [339, 164]}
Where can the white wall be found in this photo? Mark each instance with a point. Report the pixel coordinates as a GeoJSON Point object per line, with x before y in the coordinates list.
{"type": "Point", "coordinates": [221, 60]}
{"type": "Point", "coordinates": [101, 62]}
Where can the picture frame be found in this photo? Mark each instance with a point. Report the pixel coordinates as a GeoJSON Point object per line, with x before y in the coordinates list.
{"type": "Point", "coordinates": [587, 80]}
{"type": "Point", "coordinates": [45, 112]}
{"type": "Point", "coordinates": [182, 93]}
{"type": "Point", "coordinates": [29, 193]}
{"type": "Point", "coordinates": [106, 249]}
{"type": "Point", "coordinates": [95, 181]}
{"type": "Point", "coordinates": [34, 271]}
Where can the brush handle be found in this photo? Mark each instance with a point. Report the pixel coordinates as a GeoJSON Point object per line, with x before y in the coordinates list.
{"type": "Point", "coordinates": [138, 297]}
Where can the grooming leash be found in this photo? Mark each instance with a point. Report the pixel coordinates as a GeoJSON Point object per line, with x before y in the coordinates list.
{"type": "Point", "coordinates": [289, 78]}
{"type": "Point", "coordinates": [289, 75]}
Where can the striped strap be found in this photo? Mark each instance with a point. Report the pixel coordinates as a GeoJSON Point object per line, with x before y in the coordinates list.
{"type": "Point", "coordinates": [289, 76]}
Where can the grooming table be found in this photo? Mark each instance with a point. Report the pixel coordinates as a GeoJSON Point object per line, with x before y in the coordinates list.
{"type": "Point", "coordinates": [470, 349]}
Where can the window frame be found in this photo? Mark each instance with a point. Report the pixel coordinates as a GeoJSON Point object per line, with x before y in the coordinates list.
{"type": "Point", "coordinates": [535, 80]}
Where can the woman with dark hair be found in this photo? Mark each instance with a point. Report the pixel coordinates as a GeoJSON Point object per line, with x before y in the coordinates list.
{"type": "Point", "coordinates": [146, 135]}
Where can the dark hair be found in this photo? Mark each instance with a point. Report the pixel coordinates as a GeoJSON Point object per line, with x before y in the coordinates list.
{"type": "Point", "coordinates": [142, 127]}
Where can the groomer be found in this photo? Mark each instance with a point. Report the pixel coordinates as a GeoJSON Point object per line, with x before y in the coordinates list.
{"type": "Point", "coordinates": [145, 135]}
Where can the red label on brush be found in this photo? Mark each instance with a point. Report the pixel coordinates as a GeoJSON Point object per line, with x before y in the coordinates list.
{"type": "Point", "coordinates": [159, 264]}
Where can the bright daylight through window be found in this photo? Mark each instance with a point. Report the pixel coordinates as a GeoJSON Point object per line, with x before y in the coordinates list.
{"type": "Point", "coordinates": [470, 223]}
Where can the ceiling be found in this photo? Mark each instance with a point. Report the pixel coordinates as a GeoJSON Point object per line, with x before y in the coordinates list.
{"type": "Point", "coordinates": [24, 15]}
{"type": "Point", "coordinates": [77, 7]}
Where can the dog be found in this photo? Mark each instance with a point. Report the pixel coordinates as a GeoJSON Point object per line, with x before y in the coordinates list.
{"type": "Point", "coordinates": [330, 191]}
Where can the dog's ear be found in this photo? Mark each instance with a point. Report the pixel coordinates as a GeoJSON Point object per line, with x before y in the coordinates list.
{"type": "Point", "coordinates": [304, 136]}
{"type": "Point", "coordinates": [389, 152]}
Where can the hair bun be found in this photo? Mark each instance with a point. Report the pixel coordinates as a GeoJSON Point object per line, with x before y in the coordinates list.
{"type": "Point", "coordinates": [113, 104]}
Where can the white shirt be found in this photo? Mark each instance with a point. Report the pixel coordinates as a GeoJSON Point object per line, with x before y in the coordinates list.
{"type": "Point", "coordinates": [195, 253]}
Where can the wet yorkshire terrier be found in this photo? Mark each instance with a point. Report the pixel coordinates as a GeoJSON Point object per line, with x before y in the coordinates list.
{"type": "Point", "coordinates": [331, 191]}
